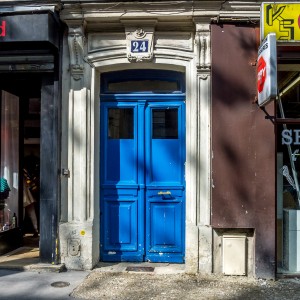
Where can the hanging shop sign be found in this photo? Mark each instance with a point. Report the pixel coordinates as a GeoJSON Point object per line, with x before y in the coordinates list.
{"type": "Point", "coordinates": [282, 19]}
{"type": "Point", "coordinates": [39, 27]}
{"type": "Point", "coordinates": [267, 70]}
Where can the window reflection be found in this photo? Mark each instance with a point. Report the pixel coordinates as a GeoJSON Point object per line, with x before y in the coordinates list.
{"type": "Point", "coordinates": [156, 86]}
{"type": "Point", "coordinates": [9, 176]}
{"type": "Point", "coordinates": [120, 123]}
{"type": "Point", "coordinates": [288, 166]}
{"type": "Point", "coordinates": [289, 91]}
{"type": "Point", "coordinates": [165, 123]}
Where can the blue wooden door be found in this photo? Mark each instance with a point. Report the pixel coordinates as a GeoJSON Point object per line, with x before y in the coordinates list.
{"type": "Point", "coordinates": [165, 188]}
{"type": "Point", "coordinates": [142, 180]}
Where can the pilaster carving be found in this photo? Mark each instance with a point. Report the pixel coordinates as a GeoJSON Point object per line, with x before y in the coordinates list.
{"type": "Point", "coordinates": [203, 65]}
{"type": "Point", "coordinates": [139, 40]}
{"type": "Point", "coordinates": [203, 49]}
{"type": "Point", "coordinates": [203, 76]}
{"type": "Point", "coordinates": [76, 41]}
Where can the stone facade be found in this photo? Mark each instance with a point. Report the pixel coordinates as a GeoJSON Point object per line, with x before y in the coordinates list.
{"type": "Point", "coordinates": [97, 42]}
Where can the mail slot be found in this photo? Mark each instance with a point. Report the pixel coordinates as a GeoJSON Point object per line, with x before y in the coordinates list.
{"type": "Point", "coordinates": [164, 193]}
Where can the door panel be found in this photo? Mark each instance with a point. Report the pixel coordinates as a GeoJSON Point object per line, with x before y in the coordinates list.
{"type": "Point", "coordinates": [121, 224]}
{"type": "Point", "coordinates": [120, 196]}
{"type": "Point", "coordinates": [142, 181]}
{"type": "Point", "coordinates": [165, 226]}
{"type": "Point", "coordinates": [164, 162]}
{"type": "Point", "coordinates": [165, 182]}
{"type": "Point", "coordinates": [121, 158]}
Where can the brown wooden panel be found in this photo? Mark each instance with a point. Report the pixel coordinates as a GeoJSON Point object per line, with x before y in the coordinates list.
{"type": "Point", "coordinates": [243, 142]}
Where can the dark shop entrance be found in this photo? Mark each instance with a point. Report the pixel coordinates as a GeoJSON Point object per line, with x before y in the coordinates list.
{"type": "Point", "coordinates": [29, 110]}
{"type": "Point", "coordinates": [20, 161]}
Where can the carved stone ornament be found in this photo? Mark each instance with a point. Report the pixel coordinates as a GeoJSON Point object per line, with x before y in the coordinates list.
{"type": "Point", "coordinates": [203, 76]}
{"type": "Point", "coordinates": [76, 41]}
{"type": "Point", "coordinates": [203, 48]}
{"type": "Point", "coordinates": [202, 42]}
{"type": "Point", "coordinates": [139, 43]}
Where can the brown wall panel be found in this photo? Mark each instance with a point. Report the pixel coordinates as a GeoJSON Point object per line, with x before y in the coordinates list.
{"type": "Point", "coordinates": [243, 143]}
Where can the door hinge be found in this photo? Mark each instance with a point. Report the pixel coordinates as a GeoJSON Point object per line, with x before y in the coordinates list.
{"type": "Point", "coordinates": [66, 173]}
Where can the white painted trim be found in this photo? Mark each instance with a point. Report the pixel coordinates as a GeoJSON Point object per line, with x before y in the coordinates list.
{"type": "Point", "coordinates": [179, 63]}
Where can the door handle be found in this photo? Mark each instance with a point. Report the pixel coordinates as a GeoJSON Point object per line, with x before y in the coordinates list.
{"type": "Point", "coordinates": [164, 193]}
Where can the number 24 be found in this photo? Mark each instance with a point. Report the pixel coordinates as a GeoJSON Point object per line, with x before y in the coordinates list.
{"type": "Point", "coordinates": [139, 47]}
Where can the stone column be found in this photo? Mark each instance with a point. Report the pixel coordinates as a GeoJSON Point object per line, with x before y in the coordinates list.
{"type": "Point", "coordinates": [203, 64]}
{"type": "Point", "coordinates": [77, 236]}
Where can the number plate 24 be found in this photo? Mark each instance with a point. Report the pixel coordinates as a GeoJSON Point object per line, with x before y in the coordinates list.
{"type": "Point", "coordinates": [139, 46]}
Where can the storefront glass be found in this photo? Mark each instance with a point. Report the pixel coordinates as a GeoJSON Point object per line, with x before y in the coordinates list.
{"type": "Point", "coordinates": [9, 161]}
{"type": "Point", "coordinates": [288, 171]}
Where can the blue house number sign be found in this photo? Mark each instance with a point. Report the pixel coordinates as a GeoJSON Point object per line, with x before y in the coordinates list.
{"type": "Point", "coordinates": [139, 46]}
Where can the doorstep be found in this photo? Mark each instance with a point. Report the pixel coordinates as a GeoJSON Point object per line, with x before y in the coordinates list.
{"type": "Point", "coordinates": [27, 259]}
{"type": "Point", "coordinates": [141, 267]}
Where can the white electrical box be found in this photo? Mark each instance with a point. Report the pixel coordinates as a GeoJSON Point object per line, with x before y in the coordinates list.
{"type": "Point", "coordinates": [234, 251]}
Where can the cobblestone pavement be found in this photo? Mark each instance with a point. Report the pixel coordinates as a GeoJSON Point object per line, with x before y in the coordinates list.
{"type": "Point", "coordinates": [133, 286]}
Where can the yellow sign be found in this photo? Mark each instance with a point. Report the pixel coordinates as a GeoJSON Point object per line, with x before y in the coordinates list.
{"type": "Point", "coordinates": [282, 19]}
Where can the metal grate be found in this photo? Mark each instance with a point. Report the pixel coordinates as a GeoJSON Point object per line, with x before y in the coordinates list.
{"type": "Point", "coordinates": [60, 284]}
{"type": "Point", "coordinates": [139, 269]}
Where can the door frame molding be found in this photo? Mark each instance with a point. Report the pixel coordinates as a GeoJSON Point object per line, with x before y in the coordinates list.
{"type": "Point", "coordinates": [198, 232]}
{"type": "Point", "coordinates": [194, 60]}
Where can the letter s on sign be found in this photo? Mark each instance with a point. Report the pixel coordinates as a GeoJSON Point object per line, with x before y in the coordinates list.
{"type": "Point", "coordinates": [286, 137]}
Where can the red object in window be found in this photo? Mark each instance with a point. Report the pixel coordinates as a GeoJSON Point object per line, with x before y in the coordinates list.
{"type": "Point", "coordinates": [3, 28]}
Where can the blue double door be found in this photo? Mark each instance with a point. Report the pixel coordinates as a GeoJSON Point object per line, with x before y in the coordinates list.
{"type": "Point", "coordinates": [142, 180]}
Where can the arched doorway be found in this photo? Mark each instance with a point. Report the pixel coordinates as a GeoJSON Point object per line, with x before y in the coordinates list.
{"type": "Point", "coordinates": [142, 166]}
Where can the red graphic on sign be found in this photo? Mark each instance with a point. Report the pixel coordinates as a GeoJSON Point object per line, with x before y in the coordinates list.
{"type": "Point", "coordinates": [3, 28]}
{"type": "Point", "coordinates": [261, 74]}
{"type": "Point", "coordinates": [299, 21]}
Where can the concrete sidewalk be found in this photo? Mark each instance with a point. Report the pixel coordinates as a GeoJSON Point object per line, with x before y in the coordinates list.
{"type": "Point", "coordinates": [163, 281]}
{"type": "Point", "coordinates": [23, 277]}
{"type": "Point", "coordinates": [33, 285]}
{"type": "Point", "coordinates": [128, 281]}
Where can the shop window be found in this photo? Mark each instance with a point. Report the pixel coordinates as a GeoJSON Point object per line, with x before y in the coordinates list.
{"type": "Point", "coordinates": [288, 171]}
{"type": "Point", "coordinates": [289, 93]}
{"type": "Point", "coordinates": [9, 161]}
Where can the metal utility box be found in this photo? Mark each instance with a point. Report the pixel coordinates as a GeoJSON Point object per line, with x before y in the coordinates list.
{"type": "Point", "coordinates": [234, 252]}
